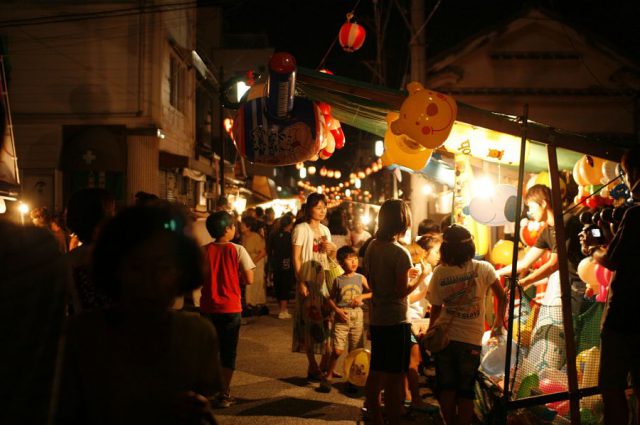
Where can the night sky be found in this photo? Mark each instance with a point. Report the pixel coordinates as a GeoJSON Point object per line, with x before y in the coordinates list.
{"type": "Point", "coordinates": [307, 28]}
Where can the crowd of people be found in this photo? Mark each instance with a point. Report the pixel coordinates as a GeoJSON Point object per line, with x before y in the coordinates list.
{"type": "Point", "coordinates": [144, 306]}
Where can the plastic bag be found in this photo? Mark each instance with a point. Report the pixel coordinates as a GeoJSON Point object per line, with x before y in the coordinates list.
{"type": "Point", "coordinates": [494, 354]}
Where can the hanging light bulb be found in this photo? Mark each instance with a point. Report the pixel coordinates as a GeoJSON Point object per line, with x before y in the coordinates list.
{"type": "Point", "coordinates": [323, 171]}
{"type": "Point", "coordinates": [337, 174]}
{"type": "Point", "coordinates": [311, 170]}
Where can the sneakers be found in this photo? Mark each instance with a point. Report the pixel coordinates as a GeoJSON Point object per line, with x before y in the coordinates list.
{"type": "Point", "coordinates": [223, 401]}
{"type": "Point", "coordinates": [284, 315]}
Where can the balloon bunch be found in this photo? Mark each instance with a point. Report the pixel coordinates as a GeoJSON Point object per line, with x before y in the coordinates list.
{"type": "Point", "coordinates": [591, 174]}
{"type": "Point", "coordinates": [333, 136]}
{"type": "Point", "coordinates": [597, 278]}
{"type": "Point", "coordinates": [423, 124]}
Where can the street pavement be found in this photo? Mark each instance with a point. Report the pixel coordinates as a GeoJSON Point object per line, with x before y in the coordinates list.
{"type": "Point", "coordinates": [270, 383]}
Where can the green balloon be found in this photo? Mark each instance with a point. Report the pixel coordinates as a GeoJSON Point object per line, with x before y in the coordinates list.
{"type": "Point", "coordinates": [528, 383]}
{"type": "Point", "coordinates": [587, 417]}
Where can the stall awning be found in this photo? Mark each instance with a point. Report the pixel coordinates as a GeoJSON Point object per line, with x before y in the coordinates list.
{"type": "Point", "coordinates": [365, 106]}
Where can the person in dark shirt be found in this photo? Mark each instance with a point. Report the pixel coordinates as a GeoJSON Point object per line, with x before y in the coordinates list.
{"type": "Point", "coordinates": [538, 201]}
{"type": "Point", "coordinates": [283, 274]}
{"type": "Point", "coordinates": [620, 335]}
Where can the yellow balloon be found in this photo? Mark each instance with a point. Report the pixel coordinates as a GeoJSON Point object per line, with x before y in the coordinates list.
{"type": "Point", "coordinates": [588, 365]}
{"type": "Point", "coordinates": [425, 116]}
{"type": "Point", "coordinates": [356, 366]}
{"type": "Point", "coordinates": [502, 252]}
{"type": "Point", "coordinates": [401, 150]}
{"type": "Point", "coordinates": [576, 174]}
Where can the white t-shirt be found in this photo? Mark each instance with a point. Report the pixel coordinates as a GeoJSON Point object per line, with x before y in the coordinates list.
{"type": "Point", "coordinates": [419, 307]}
{"type": "Point", "coordinates": [462, 291]}
{"type": "Point", "coordinates": [358, 239]}
{"type": "Point", "coordinates": [303, 236]}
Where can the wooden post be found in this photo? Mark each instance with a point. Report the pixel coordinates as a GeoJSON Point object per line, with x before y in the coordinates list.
{"type": "Point", "coordinates": [513, 282]}
{"type": "Point", "coordinates": [565, 285]}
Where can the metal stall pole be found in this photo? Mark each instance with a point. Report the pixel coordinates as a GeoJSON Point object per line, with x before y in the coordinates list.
{"type": "Point", "coordinates": [514, 263]}
{"type": "Point", "coordinates": [565, 285]}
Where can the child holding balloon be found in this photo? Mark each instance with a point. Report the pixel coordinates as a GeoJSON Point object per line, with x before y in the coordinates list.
{"type": "Point", "coordinates": [347, 295]}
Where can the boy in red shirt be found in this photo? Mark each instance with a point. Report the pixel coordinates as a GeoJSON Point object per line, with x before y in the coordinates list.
{"type": "Point", "coordinates": [221, 302]}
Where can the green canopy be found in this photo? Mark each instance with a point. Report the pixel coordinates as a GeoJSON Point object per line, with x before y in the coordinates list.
{"type": "Point", "coordinates": [365, 106]}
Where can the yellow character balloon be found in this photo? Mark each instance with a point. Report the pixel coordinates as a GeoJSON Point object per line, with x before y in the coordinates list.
{"type": "Point", "coordinates": [425, 116]}
{"type": "Point", "coordinates": [502, 252]}
{"type": "Point", "coordinates": [401, 150]}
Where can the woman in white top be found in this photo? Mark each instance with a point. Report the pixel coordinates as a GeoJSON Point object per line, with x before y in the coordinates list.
{"type": "Point", "coordinates": [311, 324]}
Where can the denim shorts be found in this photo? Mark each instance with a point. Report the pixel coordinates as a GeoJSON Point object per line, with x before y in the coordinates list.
{"type": "Point", "coordinates": [228, 329]}
{"type": "Point", "coordinates": [457, 368]}
{"type": "Point", "coordinates": [390, 348]}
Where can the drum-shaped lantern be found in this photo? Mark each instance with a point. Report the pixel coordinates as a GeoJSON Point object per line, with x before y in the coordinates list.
{"type": "Point", "coordinates": [352, 35]}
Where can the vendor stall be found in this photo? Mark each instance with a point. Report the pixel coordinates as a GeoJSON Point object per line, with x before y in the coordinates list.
{"type": "Point", "coordinates": [545, 370]}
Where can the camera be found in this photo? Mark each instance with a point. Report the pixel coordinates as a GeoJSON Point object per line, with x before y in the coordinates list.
{"type": "Point", "coordinates": [594, 235]}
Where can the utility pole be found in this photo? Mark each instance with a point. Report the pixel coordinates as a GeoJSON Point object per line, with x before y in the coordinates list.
{"type": "Point", "coordinates": [417, 45]}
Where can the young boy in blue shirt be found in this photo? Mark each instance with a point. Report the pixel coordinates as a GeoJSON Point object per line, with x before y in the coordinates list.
{"type": "Point", "coordinates": [347, 295]}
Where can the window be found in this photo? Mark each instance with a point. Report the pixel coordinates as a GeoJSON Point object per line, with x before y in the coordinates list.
{"type": "Point", "coordinates": [176, 84]}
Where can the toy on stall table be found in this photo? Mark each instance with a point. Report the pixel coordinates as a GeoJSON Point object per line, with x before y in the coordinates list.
{"type": "Point", "coordinates": [426, 116]}
{"type": "Point", "coordinates": [279, 128]}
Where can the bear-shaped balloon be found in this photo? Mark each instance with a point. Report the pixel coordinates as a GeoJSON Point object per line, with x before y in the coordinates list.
{"type": "Point", "coordinates": [425, 116]}
{"type": "Point", "coordinates": [401, 150]}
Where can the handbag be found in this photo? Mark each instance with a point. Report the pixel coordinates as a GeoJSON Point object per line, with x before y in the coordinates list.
{"type": "Point", "coordinates": [437, 337]}
{"type": "Point", "coordinates": [332, 272]}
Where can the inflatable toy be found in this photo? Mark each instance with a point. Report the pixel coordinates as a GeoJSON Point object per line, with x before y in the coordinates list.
{"type": "Point", "coordinates": [425, 116]}
{"type": "Point", "coordinates": [401, 150]}
{"type": "Point", "coordinates": [356, 366]}
{"type": "Point", "coordinates": [495, 209]}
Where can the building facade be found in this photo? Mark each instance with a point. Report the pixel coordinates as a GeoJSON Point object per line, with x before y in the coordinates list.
{"type": "Point", "coordinates": [103, 95]}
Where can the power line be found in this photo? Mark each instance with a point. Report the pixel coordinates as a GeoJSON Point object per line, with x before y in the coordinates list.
{"type": "Point", "coordinates": [72, 17]}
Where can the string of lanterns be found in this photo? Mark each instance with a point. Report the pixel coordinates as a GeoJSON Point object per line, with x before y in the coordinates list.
{"type": "Point", "coordinates": [311, 170]}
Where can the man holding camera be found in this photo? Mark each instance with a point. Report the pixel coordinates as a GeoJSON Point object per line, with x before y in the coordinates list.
{"type": "Point", "coordinates": [620, 334]}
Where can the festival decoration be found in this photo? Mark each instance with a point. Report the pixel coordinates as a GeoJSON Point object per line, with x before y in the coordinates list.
{"type": "Point", "coordinates": [401, 150]}
{"type": "Point", "coordinates": [609, 171]}
{"type": "Point", "coordinates": [587, 273]}
{"type": "Point", "coordinates": [502, 252]}
{"type": "Point", "coordinates": [590, 170]}
{"type": "Point", "coordinates": [530, 231]}
{"type": "Point", "coordinates": [488, 145]}
{"type": "Point", "coordinates": [426, 116]}
{"type": "Point", "coordinates": [497, 208]}
{"type": "Point", "coordinates": [462, 195]}
{"type": "Point", "coordinates": [351, 35]}
{"type": "Point", "coordinates": [281, 128]}
{"type": "Point", "coordinates": [356, 366]}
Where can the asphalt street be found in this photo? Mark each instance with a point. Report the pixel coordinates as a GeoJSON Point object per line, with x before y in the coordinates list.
{"type": "Point", "coordinates": [270, 383]}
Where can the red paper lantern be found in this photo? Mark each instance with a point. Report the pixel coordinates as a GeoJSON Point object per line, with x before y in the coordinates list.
{"type": "Point", "coordinates": [352, 35]}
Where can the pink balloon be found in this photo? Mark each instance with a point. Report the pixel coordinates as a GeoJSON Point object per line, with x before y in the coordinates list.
{"type": "Point", "coordinates": [603, 275]}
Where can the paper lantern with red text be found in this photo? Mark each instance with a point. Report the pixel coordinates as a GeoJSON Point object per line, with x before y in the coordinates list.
{"type": "Point", "coordinates": [351, 35]}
